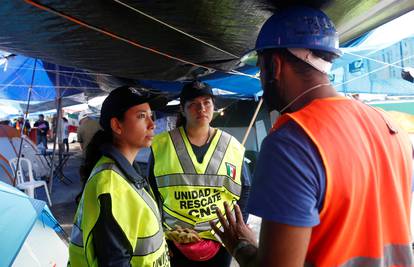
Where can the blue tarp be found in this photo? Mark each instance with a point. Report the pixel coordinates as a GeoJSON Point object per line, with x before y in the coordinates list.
{"type": "Point", "coordinates": [230, 85]}
{"type": "Point", "coordinates": [16, 74]}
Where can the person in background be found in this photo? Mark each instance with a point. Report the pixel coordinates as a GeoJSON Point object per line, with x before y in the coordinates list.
{"type": "Point", "coordinates": [117, 222]}
{"type": "Point", "coordinates": [192, 170]}
{"type": "Point", "coordinates": [333, 179]}
{"type": "Point", "coordinates": [88, 127]}
{"type": "Point", "coordinates": [19, 125]}
{"type": "Point", "coordinates": [42, 129]}
{"type": "Point", "coordinates": [66, 133]}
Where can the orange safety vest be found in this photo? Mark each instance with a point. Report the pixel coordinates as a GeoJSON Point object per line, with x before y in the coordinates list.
{"type": "Point", "coordinates": [365, 218]}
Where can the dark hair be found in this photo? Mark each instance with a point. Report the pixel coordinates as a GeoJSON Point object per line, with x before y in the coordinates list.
{"type": "Point", "coordinates": [93, 150]}
{"type": "Point", "coordinates": [66, 120]}
{"type": "Point", "coordinates": [181, 120]}
{"type": "Point", "coordinates": [300, 66]}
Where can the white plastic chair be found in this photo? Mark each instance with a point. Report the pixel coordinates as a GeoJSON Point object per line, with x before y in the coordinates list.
{"type": "Point", "coordinates": [27, 186]}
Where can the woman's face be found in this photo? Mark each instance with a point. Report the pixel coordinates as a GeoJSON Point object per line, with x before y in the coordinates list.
{"type": "Point", "coordinates": [137, 127]}
{"type": "Point", "coordinates": [199, 111]}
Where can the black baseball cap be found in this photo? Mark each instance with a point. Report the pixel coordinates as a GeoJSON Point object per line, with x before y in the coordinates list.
{"type": "Point", "coordinates": [195, 89]}
{"type": "Point", "coordinates": [123, 98]}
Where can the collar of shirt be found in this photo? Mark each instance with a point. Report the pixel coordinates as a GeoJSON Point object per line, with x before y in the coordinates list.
{"type": "Point", "coordinates": [112, 152]}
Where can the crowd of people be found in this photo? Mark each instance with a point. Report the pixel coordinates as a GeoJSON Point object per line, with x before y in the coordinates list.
{"type": "Point", "coordinates": [43, 131]}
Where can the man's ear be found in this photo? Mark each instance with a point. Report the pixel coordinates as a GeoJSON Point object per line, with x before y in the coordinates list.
{"type": "Point", "coordinates": [277, 66]}
{"type": "Point", "coordinates": [116, 126]}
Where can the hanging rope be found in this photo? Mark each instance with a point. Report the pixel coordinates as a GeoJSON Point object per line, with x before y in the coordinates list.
{"type": "Point", "coordinates": [29, 95]}
{"type": "Point", "coordinates": [112, 35]}
{"type": "Point", "coordinates": [175, 29]}
{"type": "Point", "coordinates": [373, 71]}
{"type": "Point", "coordinates": [375, 60]}
{"type": "Point", "coordinates": [124, 39]}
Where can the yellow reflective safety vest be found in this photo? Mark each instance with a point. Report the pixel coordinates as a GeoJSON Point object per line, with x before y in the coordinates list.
{"type": "Point", "coordinates": [191, 191]}
{"type": "Point", "coordinates": [134, 210]}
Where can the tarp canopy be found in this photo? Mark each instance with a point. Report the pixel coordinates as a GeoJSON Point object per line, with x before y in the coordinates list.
{"type": "Point", "coordinates": [160, 46]}
{"type": "Point", "coordinates": [166, 40]}
{"type": "Point", "coordinates": [16, 74]}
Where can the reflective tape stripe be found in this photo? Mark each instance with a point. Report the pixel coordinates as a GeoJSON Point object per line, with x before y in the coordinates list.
{"type": "Point", "coordinates": [399, 255]}
{"type": "Point", "coordinates": [199, 180]}
{"type": "Point", "coordinates": [104, 167]}
{"type": "Point", "coordinates": [218, 155]}
{"type": "Point", "coordinates": [76, 236]}
{"type": "Point", "coordinates": [150, 244]}
{"type": "Point", "coordinates": [204, 226]}
{"type": "Point", "coordinates": [172, 221]}
{"type": "Point", "coordinates": [394, 255]}
{"type": "Point", "coordinates": [181, 150]}
{"type": "Point", "coordinates": [148, 200]}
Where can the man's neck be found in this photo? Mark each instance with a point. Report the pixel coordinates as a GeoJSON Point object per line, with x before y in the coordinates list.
{"type": "Point", "coordinates": [324, 90]}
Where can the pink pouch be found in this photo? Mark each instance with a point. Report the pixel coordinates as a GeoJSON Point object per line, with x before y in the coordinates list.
{"type": "Point", "coordinates": [202, 250]}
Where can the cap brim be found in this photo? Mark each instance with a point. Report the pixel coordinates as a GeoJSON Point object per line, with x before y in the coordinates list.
{"type": "Point", "coordinates": [158, 102]}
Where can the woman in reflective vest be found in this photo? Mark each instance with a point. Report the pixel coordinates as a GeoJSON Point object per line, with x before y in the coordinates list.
{"type": "Point", "coordinates": [117, 222]}
{"type": "Point", "coordinates": [196, 168]}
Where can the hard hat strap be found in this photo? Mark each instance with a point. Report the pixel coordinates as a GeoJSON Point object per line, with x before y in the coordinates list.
{"type": "Point", "coordinates": [307, 56]}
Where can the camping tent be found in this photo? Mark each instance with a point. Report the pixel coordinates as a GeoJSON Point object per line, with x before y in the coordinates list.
{"type": "Point", "coordinates": [9, 148]}
{"type": "Point", "coordinates": [28, 231]}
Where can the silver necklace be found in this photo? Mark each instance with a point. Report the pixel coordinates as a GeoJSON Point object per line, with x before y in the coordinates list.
{"type": "Point", "coordinates": [302, 94]}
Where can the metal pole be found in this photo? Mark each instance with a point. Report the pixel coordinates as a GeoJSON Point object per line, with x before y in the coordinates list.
{"type": "Point", "coordinates": [252, 121]}
{"type": "Point", "coordinates": [58, 110]}
{"type": "Point", "coordinates": [29, 96]}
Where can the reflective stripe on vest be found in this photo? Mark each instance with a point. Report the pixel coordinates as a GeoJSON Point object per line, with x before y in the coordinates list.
{"type": "Point", "coordinates": [182, 152]}
{"type": "Point", "coordinates": [199, 227]}
{"type": "Point", "coordinates": [185, 159]}
{"type": "Point", "coordinates": [394, 255]}
{"type": "Point", "coordinates": [145, 245]}
{"type": "Point", "coordinates": [218, 155]}
{"type": "Point", "coordinates": [199, 180]}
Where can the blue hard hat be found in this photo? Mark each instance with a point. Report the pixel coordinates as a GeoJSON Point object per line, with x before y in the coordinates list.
{"type": "Point", "coordinates": [299, 27]}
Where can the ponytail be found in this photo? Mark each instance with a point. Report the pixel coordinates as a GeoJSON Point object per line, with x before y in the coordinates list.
{"type": "Point", "coordinates": [93, 150]}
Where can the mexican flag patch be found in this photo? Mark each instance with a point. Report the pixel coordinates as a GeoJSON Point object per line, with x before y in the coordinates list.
{"type": "Point", "coordinates": [231, 170]}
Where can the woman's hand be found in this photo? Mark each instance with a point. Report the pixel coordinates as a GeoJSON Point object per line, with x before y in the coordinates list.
{"type": "Point", "coordinates": [234, 229]}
